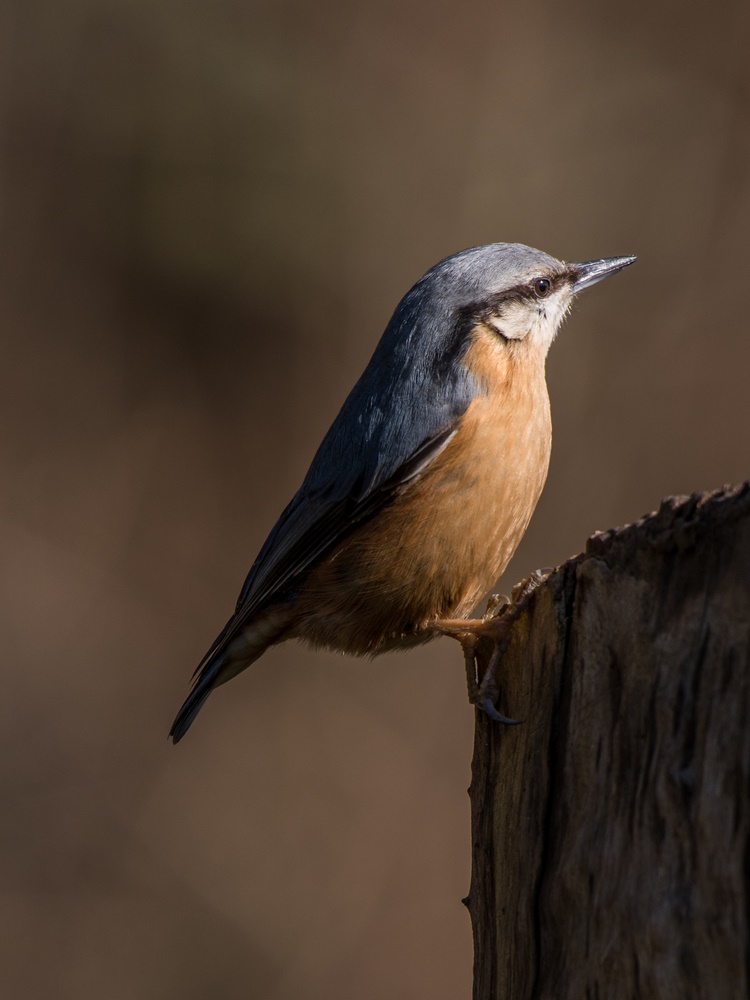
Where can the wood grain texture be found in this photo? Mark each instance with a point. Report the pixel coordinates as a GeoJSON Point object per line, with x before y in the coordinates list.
{"type": "Point", "coordinates": [611, 831]}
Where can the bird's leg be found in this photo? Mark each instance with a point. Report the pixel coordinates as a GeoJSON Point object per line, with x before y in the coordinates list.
{"type": "Point", "coordinates": [496, 625]}
{"type": "Point", "coordinates": [468, 647]}
{"type": "Point", "coordinates": [468, 641]}
{"type": "Point", "coordinates": [468, 632]}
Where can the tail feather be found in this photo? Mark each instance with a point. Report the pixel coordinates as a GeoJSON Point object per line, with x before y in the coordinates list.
{"type": "Point", "coordinates": [225, 660]}
{"type": "Point", "coordinates": [218, 669]}
{"type": "Point", "coordinates": [192, 705]}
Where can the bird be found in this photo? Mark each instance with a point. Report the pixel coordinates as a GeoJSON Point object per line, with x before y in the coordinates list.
{"type": "Point", "coordinates": [427, 479]}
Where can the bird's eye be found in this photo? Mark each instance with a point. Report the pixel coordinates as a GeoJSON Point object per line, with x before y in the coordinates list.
{"type": "Point", "coordinates": [541, 287]}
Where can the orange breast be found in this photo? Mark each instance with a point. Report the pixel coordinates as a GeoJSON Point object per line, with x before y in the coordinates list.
{"type": "Point", "coordinates": [444, 541]}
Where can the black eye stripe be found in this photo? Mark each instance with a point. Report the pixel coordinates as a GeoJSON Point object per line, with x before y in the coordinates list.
{"type": "Point", "coordinates": [527, 291]}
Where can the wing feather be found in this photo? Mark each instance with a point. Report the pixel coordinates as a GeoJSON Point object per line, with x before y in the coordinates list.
{"type": "Point", "coordinates": [309, 527]}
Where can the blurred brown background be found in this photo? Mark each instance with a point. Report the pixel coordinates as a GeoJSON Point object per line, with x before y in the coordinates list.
{"type": "Point", "coordinates": [209, 211]}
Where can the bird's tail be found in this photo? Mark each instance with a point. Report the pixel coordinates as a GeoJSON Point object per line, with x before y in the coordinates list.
{"type": "Point", "coordinates": [233, 651]}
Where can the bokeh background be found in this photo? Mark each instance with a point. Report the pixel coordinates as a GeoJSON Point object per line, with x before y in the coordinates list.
{"type": "Point", "coordinates": [209, 211]}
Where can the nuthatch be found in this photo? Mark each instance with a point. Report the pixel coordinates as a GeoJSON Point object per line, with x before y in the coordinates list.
{"type": "Point", "coordinates": [426, 481]}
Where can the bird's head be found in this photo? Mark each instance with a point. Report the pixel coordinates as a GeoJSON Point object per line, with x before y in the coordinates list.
{"type": "Point", "coordinates": [512, 292]}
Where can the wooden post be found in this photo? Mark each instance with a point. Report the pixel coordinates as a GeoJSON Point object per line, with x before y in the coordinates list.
{"type": "Point", "coordinates": [611, 830]}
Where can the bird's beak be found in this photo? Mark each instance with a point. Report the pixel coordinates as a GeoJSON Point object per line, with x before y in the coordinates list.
{"type": "Point", "coordinates": [591, 271]}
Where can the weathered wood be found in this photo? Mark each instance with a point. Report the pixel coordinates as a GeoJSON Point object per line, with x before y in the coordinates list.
{"type": "Point", "coordinates": [611, 830]}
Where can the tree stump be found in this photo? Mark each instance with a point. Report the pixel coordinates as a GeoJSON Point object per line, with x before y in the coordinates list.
{"type": "Point", "coordinates": [611, 830]}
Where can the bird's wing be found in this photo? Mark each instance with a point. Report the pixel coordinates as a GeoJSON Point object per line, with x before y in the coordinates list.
{"type": "Point", "coordinates": [310, 526]}
{"type": "Point", "coordinates": [313, 523]}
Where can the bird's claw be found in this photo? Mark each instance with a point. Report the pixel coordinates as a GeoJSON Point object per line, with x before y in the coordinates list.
{"type": "Point", "coordinates": [497, 604]}
{"type": "Point", "coordinates": [488, 707]}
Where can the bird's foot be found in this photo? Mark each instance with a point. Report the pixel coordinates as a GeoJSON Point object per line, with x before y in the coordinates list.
{"type": "Point", "coordinates": [482, 692]}
{"type": "Point", "coordinates": [496, 626]}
